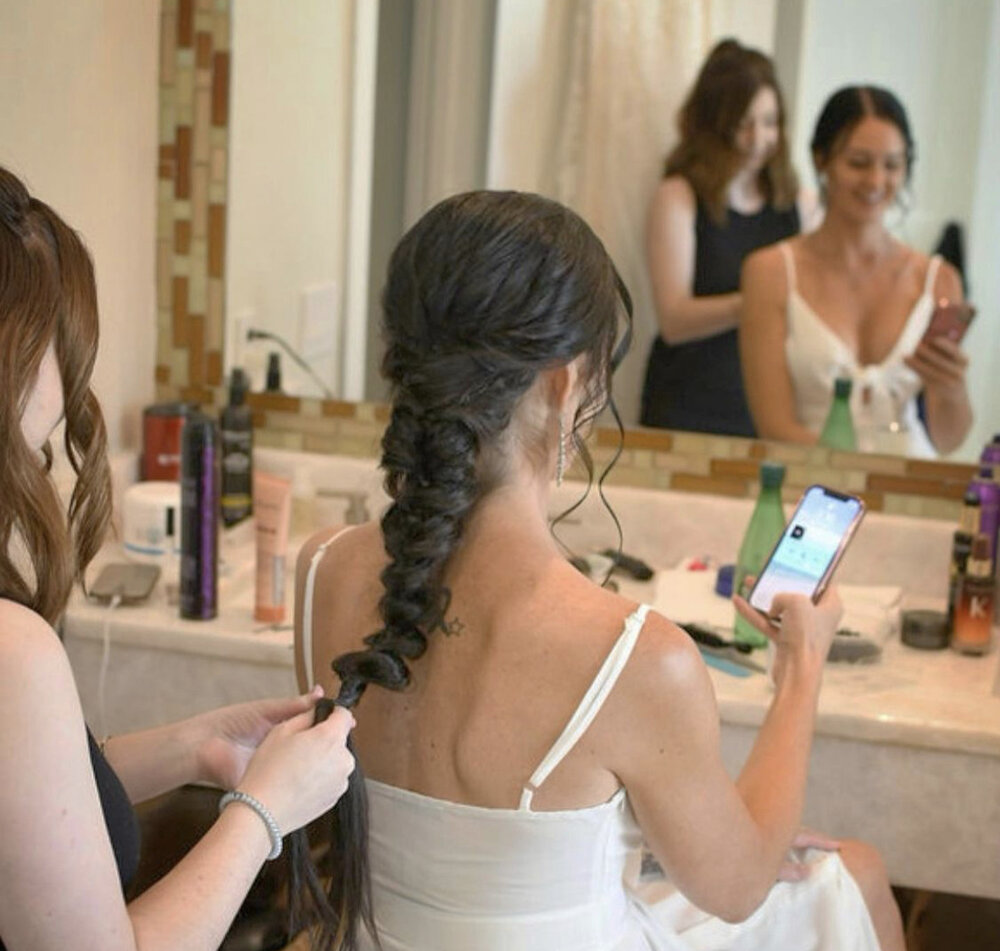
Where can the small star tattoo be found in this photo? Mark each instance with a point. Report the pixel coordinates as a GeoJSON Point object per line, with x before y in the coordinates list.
{"type": "Point", "coordinates": [452, 628]}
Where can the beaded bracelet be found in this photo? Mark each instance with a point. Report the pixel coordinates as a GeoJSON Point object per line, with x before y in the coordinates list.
{"type": "Point", "coordinates": [237, 795]}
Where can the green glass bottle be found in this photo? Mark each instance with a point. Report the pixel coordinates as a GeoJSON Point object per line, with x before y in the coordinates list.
{"type": "Point", "coordinates": [762, 534]}
{"type": "Point", "coordinates": [838, 430]}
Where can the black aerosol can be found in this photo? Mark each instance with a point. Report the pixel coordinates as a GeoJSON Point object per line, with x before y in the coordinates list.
{"type": "Point", "coordinates": [199, 517]}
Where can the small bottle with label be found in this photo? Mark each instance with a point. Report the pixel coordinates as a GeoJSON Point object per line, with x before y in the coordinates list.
{"type": "Point", "coordinates": [961, 549]}
{"type": "Point", "coordinates": [237, 452]}
{"type": "Point", "coordinates": [974, 609]}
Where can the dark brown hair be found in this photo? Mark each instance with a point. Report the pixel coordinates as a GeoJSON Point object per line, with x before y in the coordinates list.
{"type": "Point", "coordinates": [846, 108]}
{"type": "Point", "coordinates": [706, 154]}
{"type": "Point", "coordinates": [47, 295]}
{"type": "Point", "coordinates": [485, 292]}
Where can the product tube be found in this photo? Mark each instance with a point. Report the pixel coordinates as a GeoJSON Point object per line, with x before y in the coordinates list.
{"type": "Point", "coordinates": [272, 505]}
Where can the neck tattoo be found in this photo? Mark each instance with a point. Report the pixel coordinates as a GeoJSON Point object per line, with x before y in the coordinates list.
{"type": "Point", "coordinates": [452, 628]}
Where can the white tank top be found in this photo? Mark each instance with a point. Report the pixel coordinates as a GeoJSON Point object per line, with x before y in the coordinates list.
{"type": "Point", "coordinates": [883, 396]}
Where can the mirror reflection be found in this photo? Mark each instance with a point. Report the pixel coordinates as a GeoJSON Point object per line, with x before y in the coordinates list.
{"type": "Point", "coordinates": [374, 118]}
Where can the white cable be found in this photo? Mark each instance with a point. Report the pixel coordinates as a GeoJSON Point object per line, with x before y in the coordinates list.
{"type": "Point", "coordinates": [116, 599]}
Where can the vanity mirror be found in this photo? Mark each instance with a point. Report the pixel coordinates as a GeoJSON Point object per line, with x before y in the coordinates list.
{"type": "Point", "coordinates": [501, 109]}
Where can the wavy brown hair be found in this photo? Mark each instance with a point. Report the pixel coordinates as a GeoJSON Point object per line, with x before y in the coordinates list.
{"type": "Point", "coordinates": [707, 122]}
{"type": "Point", "coordinates": [47, 295]}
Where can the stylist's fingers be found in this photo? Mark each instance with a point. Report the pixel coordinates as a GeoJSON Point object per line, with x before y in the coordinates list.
{"type": "Point", "coordinates": [338, 725]}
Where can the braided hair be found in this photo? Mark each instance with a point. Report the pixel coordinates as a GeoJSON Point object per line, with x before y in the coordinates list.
{"type": "Point", "coordinates": [485, 292]}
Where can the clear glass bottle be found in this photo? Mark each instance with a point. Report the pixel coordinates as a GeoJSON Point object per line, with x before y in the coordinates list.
{"type": "Point", "coordinates": [838, 430]}
{"type": "Point", "coordinates": [763, 531]}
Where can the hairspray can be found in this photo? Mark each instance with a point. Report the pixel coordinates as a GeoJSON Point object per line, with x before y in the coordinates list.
{"type": "Point", "coordinates": [988, 491]}
{"type": "Point", "coordinates": [199, 518]}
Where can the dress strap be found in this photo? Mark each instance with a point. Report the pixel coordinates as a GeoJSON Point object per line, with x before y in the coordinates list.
{"type": "Point", "coordinates": [932, 271]}
{"type": "Point", "coordinates": [786, 253]}
{"type": "Point", "coordinates": [306, 634]}
{"type": "Point", "coordinates": [590, 705]}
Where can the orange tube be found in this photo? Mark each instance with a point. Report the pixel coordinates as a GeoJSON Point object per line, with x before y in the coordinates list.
{"type": "Point", "coordinates": [272, 508]}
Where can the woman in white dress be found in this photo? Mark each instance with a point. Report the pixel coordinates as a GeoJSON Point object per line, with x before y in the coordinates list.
{"type": "Point", "coordinates": [849, 299]}
{"type": "Point", "coordinates": [537, 727]}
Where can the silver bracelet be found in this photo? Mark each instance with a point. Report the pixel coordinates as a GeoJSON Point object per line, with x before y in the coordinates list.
{"type": "Point", "coordinates": [237, 795]}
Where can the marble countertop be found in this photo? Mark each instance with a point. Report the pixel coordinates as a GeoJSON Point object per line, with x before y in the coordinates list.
{"type": "Point", "coordinates": [926, 699]}
{"type": "Point", "coordinates": [936, 700]}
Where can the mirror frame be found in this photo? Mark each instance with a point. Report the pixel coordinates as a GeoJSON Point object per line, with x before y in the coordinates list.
{"type": "Point", "coordinates": [191, 234]}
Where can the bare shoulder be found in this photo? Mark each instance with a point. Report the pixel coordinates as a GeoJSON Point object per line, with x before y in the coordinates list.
{"type": "Point", "coordinates": [674, 199]}
{"type": "Point", "coordinates": [664, 681]}
{"type": "Point", "coordinates": [349, 543]}
{"type": "Point", "coordinates": [665, 659]}
{"type": "Point", "coordinates": [764, 271]}
{"type": "Point", "coordinates": [27, 638]}
{"type": "Point", "coordinates": [35, 673]}
{"type": "Point", "coordinates": [948, 283]}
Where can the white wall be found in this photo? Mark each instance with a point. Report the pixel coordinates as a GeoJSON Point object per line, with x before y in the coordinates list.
{"type": "Point", "coordinates": [78, 114]}
{"type": "Point", "coordinates": [983, 341]}
{"type": "Point", "coordinates": [289, 152]}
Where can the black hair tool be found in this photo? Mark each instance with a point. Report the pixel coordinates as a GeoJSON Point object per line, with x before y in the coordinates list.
{"type": "Point", "coordinates": [632, 566]}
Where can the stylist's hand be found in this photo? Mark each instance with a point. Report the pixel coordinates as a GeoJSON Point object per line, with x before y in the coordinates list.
{"type": "Point", "coordinates": [804, 636]}
{"type": "Point", "coordinates": [941, 365]}
{"type": "Point", "coordinates": [300, 770]}
{"type": "Point", "coordinates": [229, 736]}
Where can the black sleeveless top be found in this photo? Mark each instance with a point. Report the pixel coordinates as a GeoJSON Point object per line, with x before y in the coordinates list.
{"type": "Point", "coordinates": [698, 385]}
{"type": "Point", "coordinates": [119, 817]}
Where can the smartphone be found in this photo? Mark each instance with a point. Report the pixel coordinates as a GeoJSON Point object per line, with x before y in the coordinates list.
{"type": "Point", "coordinates": [950, 320]}
{"type": "Point", "coordinates": [810, 547]}
{"type": "Point", "coordinates": [132, 582]}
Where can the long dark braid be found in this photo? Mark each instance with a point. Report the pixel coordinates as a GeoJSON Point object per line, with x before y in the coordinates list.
{"type": "Point", "coordinates": [485, 292]}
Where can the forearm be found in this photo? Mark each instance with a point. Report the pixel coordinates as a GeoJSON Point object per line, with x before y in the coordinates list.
{"type": "Point", "coordinates": [687, 319]}
{"type": "Point", "coordinates": [193, 906]}
{"type": "Point", "coordinates": [773, 780]}
{"type": "Point", "coordinates": [949, 418]}
{"type": "Point", "coordinates": [790, 431]}
{"type": "Point", "coordinates": [150, 762]}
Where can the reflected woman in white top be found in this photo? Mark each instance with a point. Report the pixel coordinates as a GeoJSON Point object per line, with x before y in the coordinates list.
{"type": "Point", "coordinates": [849, 299]}
{"type": "Point", "coordinates": [537, 727]}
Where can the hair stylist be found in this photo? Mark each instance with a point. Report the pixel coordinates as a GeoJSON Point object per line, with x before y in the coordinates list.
{"type": "Point", "coordinates": [69, 838]}
{"type": "Point", "coordinates": [729, 188]}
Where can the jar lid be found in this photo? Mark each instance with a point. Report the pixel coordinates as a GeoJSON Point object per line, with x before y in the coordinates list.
{"type": "Point", "coordinates": [927, 630]}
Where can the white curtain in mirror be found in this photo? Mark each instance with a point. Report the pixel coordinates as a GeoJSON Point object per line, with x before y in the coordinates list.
{"type": "Point", "coordinates": [585, 96]}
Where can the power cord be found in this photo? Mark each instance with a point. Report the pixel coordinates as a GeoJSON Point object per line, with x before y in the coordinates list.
{"type": "Point", "coordinates": [102, 676]}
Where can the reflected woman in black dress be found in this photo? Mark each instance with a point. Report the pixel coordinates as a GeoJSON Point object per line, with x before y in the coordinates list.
{"type": "Point", "coordinates": [728, 189]}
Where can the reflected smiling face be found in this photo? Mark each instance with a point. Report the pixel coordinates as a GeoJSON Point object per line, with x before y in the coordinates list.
{"type": "Point", "coordinates": [44, 407]}
{"type": "Point", "coordinates": [756, 136]}
{"type": "Point", "coordinates": [866, 172]}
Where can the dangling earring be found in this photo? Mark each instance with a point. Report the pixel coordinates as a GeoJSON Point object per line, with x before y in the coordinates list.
{"type": "Point", "coordinates": [561, 454]}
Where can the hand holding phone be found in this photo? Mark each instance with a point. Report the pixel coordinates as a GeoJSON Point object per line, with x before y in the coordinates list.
{"type": "Point", "coordinates": [949, 320]}
{"type": "Point", "coordinates": [811, 546]}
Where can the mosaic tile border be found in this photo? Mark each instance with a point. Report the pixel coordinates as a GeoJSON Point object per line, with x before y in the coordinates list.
{"type": "Point", "coordinates": [191, 235]}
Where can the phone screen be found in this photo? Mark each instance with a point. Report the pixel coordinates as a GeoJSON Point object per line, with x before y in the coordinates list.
{"type": "Point", "coordinates": [810, 546]}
